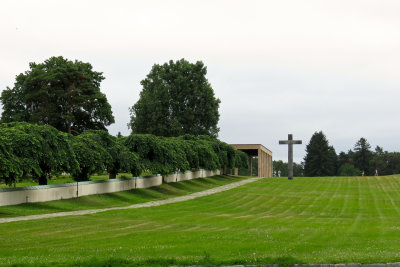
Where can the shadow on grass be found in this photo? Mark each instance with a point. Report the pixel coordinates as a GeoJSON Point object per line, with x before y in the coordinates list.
{"type": "Point", "coordinates": [184, 186]}
{"type": "Point", "coordinates": [29, 209]}
{"type": "Point", "coordinates": [115, 197]}
{"type": "Point", "coordinates": [164, 190]}
{"type": "Point", "coordinates": [206, 260]}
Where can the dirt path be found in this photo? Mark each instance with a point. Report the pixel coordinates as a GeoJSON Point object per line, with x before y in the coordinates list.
{"type": "Point", "coordinates": [134, 206]}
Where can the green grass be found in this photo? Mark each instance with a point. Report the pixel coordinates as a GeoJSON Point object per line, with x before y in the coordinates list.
{"type": "Point", "coordinates": [118, 199]}
{"type": "Point", "coordinates": [307, 220]}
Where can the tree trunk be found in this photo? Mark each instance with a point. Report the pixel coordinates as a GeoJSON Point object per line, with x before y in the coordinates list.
{"type": "Point", "coordinates": [112, 175]}
{"type": "Point", "coordinates": [43, 180]}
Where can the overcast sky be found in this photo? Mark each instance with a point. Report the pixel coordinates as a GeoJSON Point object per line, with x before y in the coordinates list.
{"type": "Point", "coordinates": [278, 67]}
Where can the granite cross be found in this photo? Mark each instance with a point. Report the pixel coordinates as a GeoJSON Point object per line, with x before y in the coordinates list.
{"type": "Point", "coordinates": [290, 143]}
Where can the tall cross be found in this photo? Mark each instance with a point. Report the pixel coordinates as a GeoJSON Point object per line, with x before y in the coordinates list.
{"type": "Point", "coordinates": [290, 142]}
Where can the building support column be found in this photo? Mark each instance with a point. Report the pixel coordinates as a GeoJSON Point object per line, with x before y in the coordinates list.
{"type": "Point", "coordinates": [251, 165]}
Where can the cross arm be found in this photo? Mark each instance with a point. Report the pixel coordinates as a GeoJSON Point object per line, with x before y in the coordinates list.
{"type": "Point", "coordinates": [288, 142]}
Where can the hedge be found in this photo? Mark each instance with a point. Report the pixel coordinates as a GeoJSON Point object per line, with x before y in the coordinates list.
{"type": "Point", "coordinates": [40, 151]}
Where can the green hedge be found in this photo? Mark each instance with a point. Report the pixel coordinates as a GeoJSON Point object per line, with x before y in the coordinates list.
{"type": "Point", "coordinates": [41, 151]}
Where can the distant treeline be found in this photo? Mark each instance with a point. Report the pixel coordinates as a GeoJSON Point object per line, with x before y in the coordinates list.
{"type": "Point", "coordinates": [322, 160]}
{"type": "Point", "coordinates": [41, 151]}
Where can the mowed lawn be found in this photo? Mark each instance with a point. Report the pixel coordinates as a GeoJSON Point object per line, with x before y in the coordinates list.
{"type": "Point", "coordinates": [307, 220]}
{"type": "Point", "coordinates": [119, 199]}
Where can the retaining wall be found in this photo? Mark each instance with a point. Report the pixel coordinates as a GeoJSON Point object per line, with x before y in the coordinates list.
{"type": "Point", "coordinates": [41, 193]}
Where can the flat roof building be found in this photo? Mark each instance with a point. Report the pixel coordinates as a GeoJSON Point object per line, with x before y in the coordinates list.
{"type": "Point", "coordinates": [264, 158]}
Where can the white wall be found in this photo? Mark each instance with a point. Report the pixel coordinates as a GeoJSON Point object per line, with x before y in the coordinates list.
{"type": "Point", "coordinates": [14, 196]}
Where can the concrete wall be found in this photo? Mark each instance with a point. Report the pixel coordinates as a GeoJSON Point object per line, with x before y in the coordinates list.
{"type": "Point", "coordinates": [188, 175]}
{"type": "Point", "coordinates": [14, 196]}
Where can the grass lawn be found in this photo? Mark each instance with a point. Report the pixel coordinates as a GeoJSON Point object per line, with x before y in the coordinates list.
{"type": "Point", "coordinates": [307, 220]}
{"type": "Point", "coordinates": [118, 199]}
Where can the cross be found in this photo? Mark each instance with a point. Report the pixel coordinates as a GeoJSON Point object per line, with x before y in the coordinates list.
{"type": "Point", "coordinates": [290, 143]}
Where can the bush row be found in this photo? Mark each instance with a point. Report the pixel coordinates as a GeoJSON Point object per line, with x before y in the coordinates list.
{"type": "Point", "coordinates": [42, 151]}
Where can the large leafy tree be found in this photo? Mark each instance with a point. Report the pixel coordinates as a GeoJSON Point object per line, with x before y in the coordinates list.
{"type": "Point", "coordinates": [321, 159]}
{"type": "Point", "coordinates": [62, 93]}
{"type": "Point", "coordinates": [176, 99]}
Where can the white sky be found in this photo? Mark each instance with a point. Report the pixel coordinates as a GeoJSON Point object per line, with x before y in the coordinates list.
{"type": "Point", "coordinates": [278, 67]}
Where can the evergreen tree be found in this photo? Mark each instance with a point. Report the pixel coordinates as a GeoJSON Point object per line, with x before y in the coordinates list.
{"type": "Point", "coordinates": [298, 169]}
{"type": "Point", "coordinates": [321, 158]}
{"type": "Point", "coordinates": [333, 157]}
{"type": "Point", "coordinates": [362, 156]}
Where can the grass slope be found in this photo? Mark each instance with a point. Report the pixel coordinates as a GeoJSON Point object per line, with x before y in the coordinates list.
{"type": "Point", "coordinates": [307, 220]}
{"type": "Point", "coordinates": [118, 199]}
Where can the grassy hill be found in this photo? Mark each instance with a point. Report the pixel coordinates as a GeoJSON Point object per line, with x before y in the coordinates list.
{"type": "Point", "coordinates": [307, 220]}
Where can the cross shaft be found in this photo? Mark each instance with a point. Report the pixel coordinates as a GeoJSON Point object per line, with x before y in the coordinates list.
{"type": "Point", "coordinates": [290, 142]}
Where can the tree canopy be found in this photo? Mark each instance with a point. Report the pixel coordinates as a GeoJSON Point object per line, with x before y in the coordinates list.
{"type": "Point", "coordinates": [279, 165]}
{"type": "Point", "coordinates": [363, 155]}
{"type": "Point", "coordinates": [165, 155]}
{"type": "Point", "coordinates": [60, 93]}
{"type": "Point", "coordinates": [176, 99]}
{"type": "Point", "coordinates": [35, 149]}
{"type": "Point", "coordinates": [321, 158]}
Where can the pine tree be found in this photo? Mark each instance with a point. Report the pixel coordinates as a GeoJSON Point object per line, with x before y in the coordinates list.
{"type": "Point", "coordinates": [321, 159]}
{"type": "Point", "coordinates": [363, 155]}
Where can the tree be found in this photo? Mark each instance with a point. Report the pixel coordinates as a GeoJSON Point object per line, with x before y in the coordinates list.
{"type": "Point", "coordinates": [379, 161]}
{"type": "Point", "coordinates": [91, 154]}
{"type": "Point", "coordinates": [281, 166]}
{"type": "Point", "coordinates": [120, 157]}
{"type": "Point", "coordinates": [320, 157]}
{"type": "Point", "coordinates": [343, 158]}
{"type": "Point", "coordinates": [156, 154]}
{"type": "Point", "coordinates": [333, 158]}
{"type": "Point", "coordinates": [60, 93]}
{"type": "Point", "coordinates": [10, 164]}
{"type": "Point", "coordinates": [298, 169]}
{"type": "Point", "coordinates": [176, 99]}
{"type": "Point", "coordinates": [363, 155]}
{"type": "Point", "coordinates": [38, 150]}
{"type": "Point", "coordinates": [348, 169]}
{"type": "Point", "coordinates": [393, 163]}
